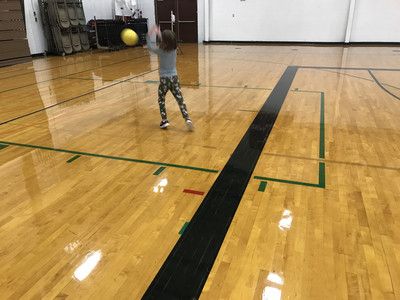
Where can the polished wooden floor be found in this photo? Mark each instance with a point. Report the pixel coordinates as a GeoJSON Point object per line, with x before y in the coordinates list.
{"type": "Point", "coordinates": [87, 212]}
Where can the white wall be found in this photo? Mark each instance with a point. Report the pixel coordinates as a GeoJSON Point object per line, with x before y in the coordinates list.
{"type": "Point", "coordinates": [376, 21]}
{"type": "Point", "coordinates": [278, 20]}
{"type": "Point", "coordinates": [34, 29]}
{"type": "Point", "coordinates": [303, 20]}
{"type": "Point", "coordinates": [262, 20]}
{"type": "Point", "coordinates": [101, 9]}
{"type": "Point", "coordinates": [200, 20]}
{"type": "Point", "coordinates": [148, 9]}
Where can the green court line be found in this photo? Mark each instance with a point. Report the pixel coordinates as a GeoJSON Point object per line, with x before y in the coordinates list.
{"type": "Point", "coordinates": [189, 84]}
{"type": "Point", "coordinates": [235, 87]}
{"type": "Point", "coordinates": [182, 84]}
{"type": "Point", "coordinates": [321, 179]}
{"type": "Point", "coordinates": [395, 87]}
{"type": "Point", "coordinates": [300, 91]}
{"type": "Point", "coordinates": [3, 146]}
{"type": "Point", "coordinates": [158, 172]}
{"type": "Point", "coordinates": [248, 110]}
{"type": "Point", "coordinates": [31, 84]}
{"type": "Point", "coordinates": [74, 98]}
{"type": "Point", "coordinates": [183, 228]}
{"type": "Point", "coordinates": [74, 158]}
{"type": "Point", "coordinates": [321, 122]}
{"type": "Point", "coordinates": [287, 181]}
{"type": "Point", "coordinates": [48, 69]}
{"type": "Point", "coordinates": [321, 173]}
{"type": "Point", "coordinates": [126, 81]}
{"type": "Point", "coordinates": [363, 78]}
{"type": "Point", "coordinates": [349, 75]}
{"type": "Point", "coordinates": [111, 157]}
{"type": "Point", "coordinates": [322, 127]}
{"type": "Point", "coordinates": [62, 77]}
{"type": "Point", "coordinates": [263, 185]}
{"type": "Point", "coordinates": [92, 79]}
{"type": "Point", "coordinates": [202, 85]}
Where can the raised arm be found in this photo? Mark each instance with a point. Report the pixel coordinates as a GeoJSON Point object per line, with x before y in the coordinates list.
{"type": "Point", "coordinates": [156, 31]}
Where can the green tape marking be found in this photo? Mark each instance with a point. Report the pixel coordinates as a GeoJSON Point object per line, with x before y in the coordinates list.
{"type": "Point", "coordinates": [321, 175]}
{"type": "Point", "coordinates": [321, 179]}
{"type": "Point", "coordinates": [287, 181]}
{"type": "Point", "coordinates": [182, 84]}
{"type": "Point", "coordinates": [263, 185]}
{"type": "Point", "coordinates": [300, 91]}
{"type": "Point", "coordinates": [111, 157]}
{"type": "Point", "coordinates": [248, 110]}
{"type": "Point", "coordinates": [321, 122]}
{"type": "Point", "coordinates": [322, 128]}
{"type": "Point", "coordinates": [205, 86]}
{"type": "Point", "coordinates": [3, 146]}
{"type": "Point", "coordinates": [183, 228]}
{"type": "Point", "coordinates": [359, 77]}
{"type": "Point", "coordinates": [190, 84]}
{"type": "Point", "coordinates": [158, 172]}
{"type": "Point", "coordinates": [72, 159]}
{"type": "Point", "coordinates": [235, 87]}
{"type": "Point", "coordinates": [92, 79]}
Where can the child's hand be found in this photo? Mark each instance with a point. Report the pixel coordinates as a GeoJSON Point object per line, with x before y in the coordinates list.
{"type": "Point", "coordinates": [154, 30]}
{"type": "Point", "coordinates": [158, 31]}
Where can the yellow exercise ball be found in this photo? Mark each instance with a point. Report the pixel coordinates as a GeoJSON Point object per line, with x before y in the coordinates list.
{"type": "Point", "coordinates": [129, 37]}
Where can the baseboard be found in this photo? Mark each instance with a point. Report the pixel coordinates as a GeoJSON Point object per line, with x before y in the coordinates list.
{"type": "Point", "coordinates": [38, 55]}
{"type": "Point", "coordinates": [378, 44]}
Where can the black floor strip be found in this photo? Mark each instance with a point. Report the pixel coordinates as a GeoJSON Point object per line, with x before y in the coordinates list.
{"type": "Point", "coordinates": [186, 269]}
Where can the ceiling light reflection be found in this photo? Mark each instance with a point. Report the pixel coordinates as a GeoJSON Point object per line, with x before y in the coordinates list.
{"type": "Point", "coordinates": [286, 221]}
{"type": "Point", "coordinates": [160, 187]}
{"type": "Point", "coordinates": [72, 246]}
{"type": "Point", "coordinates": [92, 259]}
{"type": "Point", "coordinates": [275, 278]}
{"type": "Point", "coordinates": [271, 293]}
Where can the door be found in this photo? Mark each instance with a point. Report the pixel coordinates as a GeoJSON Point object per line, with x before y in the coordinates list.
{"type": "Point", "coordinates": [163, 14]}
{"type": "Point", "coordinates": [185, 11]}
{"type": "Point", "coordinates": [187, 20]}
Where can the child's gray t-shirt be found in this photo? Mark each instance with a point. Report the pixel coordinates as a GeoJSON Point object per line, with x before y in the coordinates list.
{"type": "Point", "coordinates": [167, 60]}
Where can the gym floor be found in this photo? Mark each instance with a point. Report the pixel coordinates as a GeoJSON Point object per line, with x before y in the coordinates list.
{"type": "Point", "coordinates": [289, 188]}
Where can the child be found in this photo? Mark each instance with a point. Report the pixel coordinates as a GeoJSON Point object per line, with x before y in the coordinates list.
{"type": "Point", "coordinates": [168, 75]}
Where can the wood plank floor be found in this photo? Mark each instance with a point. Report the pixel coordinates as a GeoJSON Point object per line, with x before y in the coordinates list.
{"type": "Point", "coordinates": [92, 191]}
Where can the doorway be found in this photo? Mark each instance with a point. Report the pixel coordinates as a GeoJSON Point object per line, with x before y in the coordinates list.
{"type": "Point", "coordinates": [185, 11]}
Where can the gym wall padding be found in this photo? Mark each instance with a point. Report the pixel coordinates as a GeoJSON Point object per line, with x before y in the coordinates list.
{"type": "Point", "coordinates": [14, 46]}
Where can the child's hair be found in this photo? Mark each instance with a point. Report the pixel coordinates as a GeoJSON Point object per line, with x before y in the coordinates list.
{"type": "Point", "coordinates": [168, 42]}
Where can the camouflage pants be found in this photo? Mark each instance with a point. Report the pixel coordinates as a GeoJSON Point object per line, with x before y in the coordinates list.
{"type": "Point", "coordinates": [172, 84]}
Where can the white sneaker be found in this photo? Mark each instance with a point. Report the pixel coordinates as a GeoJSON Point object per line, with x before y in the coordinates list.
{"type": "Point", "coordinates": [189, 124]}
{"type": "Point", "coordinates": [164, 124]}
